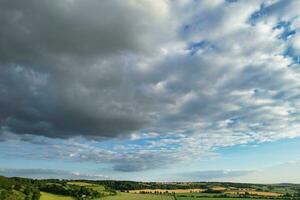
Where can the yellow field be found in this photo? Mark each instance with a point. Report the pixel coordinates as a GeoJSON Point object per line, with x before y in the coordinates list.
{"type": "Point", "coordinates": [218, 188]}
{"type": "Point", "coordinates": [270, 194]}
{"type": "Point", "coordinates": [48, 196]}
{"type": "Point", "coordinates": [169, 191]}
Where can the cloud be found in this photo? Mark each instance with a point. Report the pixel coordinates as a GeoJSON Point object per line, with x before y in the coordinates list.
{"type": "Point", "coordinates": [281, 173]}
{"type": "Point", "coordinates": [129, 158]}
{"type": "Point", "coordinates": [211, 175]}
{"type": "Point", "coordinates": [177, 79]}
{"type": "Point", "coordinates": [49, 173]}
{"type": "Point", "coordinates": [38, 33]}
{"type": "Point", "coordinates": [68, 68]}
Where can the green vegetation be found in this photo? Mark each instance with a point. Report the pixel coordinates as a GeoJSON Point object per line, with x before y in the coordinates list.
{"type": "Point", "coordinates": [18, 189]}
{"type": "Point", "coordinates": [29, 189]}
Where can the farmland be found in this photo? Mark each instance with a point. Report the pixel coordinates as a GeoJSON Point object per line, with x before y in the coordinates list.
{"type": "Point", "coordinates": [95, 187]}
{"type": "Point", "coordinates": [54, 189]}
{"type": "Point", "coordinates": [166, 191]}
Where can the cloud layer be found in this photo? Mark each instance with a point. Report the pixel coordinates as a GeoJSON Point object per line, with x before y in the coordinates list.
{"type": "Point", "coordinates": [172, 80]}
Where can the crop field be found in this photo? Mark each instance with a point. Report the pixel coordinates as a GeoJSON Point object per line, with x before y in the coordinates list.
{"type": "Point", "coordinates": [130, 196]}
{"type": "Point", "coordinates": [168, 191]}
{"type": "Point", "coordinates": [48, 196]}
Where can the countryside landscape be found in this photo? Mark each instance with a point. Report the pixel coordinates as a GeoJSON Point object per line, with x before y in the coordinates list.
{"type": "Point", "coordinates": [54, 189]}
{"type": "Point", "coordinates": [149, 99]}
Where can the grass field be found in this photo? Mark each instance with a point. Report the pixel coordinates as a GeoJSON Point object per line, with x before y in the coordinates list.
{"type": "Point", "coordinates": [48, 196]}
{"type": "Point", "coordinates": [99, 188]}
{"type": "Point", "coordinates": [129, 196]}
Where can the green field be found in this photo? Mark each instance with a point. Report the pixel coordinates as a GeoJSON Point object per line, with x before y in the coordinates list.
{"type": "Point", "coordinates": [99, 188]}
{"type": "Point", "coordinates": [96, 187]}
{"type": "Point", "coordinates": [128, 196]}
{"type": "Point", "coordinates": [48, 196]}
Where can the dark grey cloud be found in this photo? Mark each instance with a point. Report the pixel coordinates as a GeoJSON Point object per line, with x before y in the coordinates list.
{"type": "Point", "coordinates": [38, 32]}
{"type": "Point", "coordinates": [31, 104]}
{"type": "Point", "coordinates": [68, 67]}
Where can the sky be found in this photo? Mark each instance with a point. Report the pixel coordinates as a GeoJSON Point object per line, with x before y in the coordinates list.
{"type": "Point", "coordinates": [166, 90]}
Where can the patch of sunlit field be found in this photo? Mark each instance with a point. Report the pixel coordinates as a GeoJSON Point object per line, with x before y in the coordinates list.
{"type": "Point", "coordinates": [49, 196]}
{"type": "Point", "coordinates": [168, 191]}
{"type": "Point", "coordinates": [218, 188]}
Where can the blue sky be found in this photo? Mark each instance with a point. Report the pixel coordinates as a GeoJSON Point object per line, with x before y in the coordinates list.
{"type": "Point", "coordinates": [183, 90]}
{"type": "Point", "coordinates": [248, 158]}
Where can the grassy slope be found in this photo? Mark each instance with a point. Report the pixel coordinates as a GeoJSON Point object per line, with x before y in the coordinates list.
{"type": "Point", "coordinates": [99, 188]}
{"type": "Point", "coordinates": [48, 196]}
{"type": "Point", "coordinates": [96, 187]}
